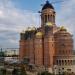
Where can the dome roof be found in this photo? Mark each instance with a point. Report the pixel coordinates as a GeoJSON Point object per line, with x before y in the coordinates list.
{"type": "Point", "coordinates": [62, 28]}
{"type": "Point", "coordinates": [29, 29]}
{"type": "Point", "coordinates": [33, 28]}
{"type": "Point", "coordinates": [39, 34]}
{"type": "Point", "coordinates": [49, 24]}
{"type": "Point", "coordinates": [47, 5]}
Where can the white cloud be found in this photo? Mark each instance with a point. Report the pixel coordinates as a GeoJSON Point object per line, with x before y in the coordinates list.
{"type": "Point", "coordinates": [66, 16]}
{"type": "Point", "coordinates": [13, 21]}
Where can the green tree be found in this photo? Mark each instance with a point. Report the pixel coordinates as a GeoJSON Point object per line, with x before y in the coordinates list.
{"type": "Point", "coordinates": [46, 73]}
{"type": "Point", "coordinates": [23, 71]}
{"type": "Point", "coordinates": [15, 72]}
{"type": "Point", "coordinates": [39, 73]}
{"type": "Point", "coordinates": [3, 71]}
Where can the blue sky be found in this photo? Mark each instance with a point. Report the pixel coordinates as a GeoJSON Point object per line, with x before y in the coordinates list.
{"type": "Point", "coordinates": [34, 5]}
{"type": "Point", "coordinates": [17, 15]}
{"type": "Point", "coordinates": [28, 5]}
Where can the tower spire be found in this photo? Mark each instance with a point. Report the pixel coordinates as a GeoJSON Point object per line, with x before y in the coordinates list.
{"type": "Point", "coordinates": [47, 1]}
{"type": "Point", "coordinates": [48, 15]}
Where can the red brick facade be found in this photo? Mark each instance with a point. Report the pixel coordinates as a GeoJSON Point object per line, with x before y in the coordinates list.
{"type": "Point", "coordinates": [43, 44]}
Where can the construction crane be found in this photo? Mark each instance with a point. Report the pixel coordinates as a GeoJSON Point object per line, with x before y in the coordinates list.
{"type": "Point", "coordinates": [54, 2]}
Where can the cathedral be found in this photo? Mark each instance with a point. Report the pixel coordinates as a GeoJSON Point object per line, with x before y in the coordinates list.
{"type": "Point", "coordinates": [49, 46]}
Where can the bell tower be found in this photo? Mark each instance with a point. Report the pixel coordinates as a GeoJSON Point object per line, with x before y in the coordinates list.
{"type": "Point", "coordinates": [47, 14]}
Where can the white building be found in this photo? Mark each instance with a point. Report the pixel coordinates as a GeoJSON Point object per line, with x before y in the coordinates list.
{"type": "Point", "coordinates": [11, 54]}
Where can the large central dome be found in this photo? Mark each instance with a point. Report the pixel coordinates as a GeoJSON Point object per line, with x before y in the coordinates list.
{"type": "Point", "coordinates": [47, 5]}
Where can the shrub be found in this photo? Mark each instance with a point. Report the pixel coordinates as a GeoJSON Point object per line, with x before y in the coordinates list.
{"type": "Point", "coordinates": [23, 71]}
{"type": "Point", "coordinates": [15, 72]}
{"type": "Point", "coordinates": [46, 73]}
{"type": "Point", "coordinates": [3, 71]}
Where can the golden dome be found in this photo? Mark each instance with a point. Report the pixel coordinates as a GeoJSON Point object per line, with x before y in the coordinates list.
{"type": "Point", "coordinates": [33, 28]}
{"type": "Point", "coordinates": [62, 28]}
{"type": "Point", "coordinates": [49, 24]}
{"type": "Point", "coordinates": [29, 29]}
{"type": "Point", "coordinates": [39, 34]}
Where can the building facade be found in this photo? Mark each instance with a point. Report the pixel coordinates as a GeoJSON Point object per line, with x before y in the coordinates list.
{"type": "Point", "coordinates": [11, 55]}
{"type": "Point", "coordinates": [49, 45]}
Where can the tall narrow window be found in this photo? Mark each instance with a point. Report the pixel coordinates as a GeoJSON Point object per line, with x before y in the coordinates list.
{"type": "Point", "coordinates": [48, 17]}
{"type": "Point", "coordinates": [54, 18]}
{"type": "Point", "coordinates": [45, 18]}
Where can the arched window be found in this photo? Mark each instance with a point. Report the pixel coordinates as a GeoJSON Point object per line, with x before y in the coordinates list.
{"type": "Point", "coordinates": [45, 18]}
{"type": "Point", "coordinates": [59, 62]}
{"type": "Point", "coordinates": [62, 62]}
{"type": "Point", "coordinates": [48, 17]}
{"type": "Point", "coordinates": [56, 62]}
{"type": "Point", "coordinates": [65, 62]}
{"type": "Point", "coordinates": [54, 18]}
